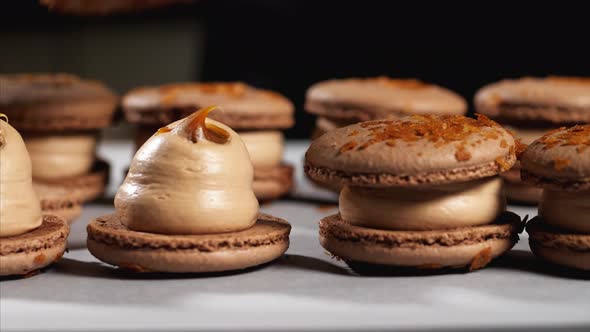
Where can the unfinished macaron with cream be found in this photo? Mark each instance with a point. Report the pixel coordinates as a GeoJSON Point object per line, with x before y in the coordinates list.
{"type": "Point", "coordinates": [421, 191]}
{"type": "Point", "coordinates": [187, 205]}
{"type": "Point", "coordinates": [341, 102]}
{"type": "Point", "coordinates": [530, 107]}
{"type": "Point", "coordinates": [257, 115]}
{"type": "Point", "coordinates": [29, 240]}
{"type": "Point", "coordinates": [559, 163]}
{"type": "Point", "coordinates": [60, 116]}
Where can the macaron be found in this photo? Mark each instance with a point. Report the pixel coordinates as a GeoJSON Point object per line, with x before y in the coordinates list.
{"type": "Point", "coordinates": [58, 202]}
{"type": "Point", "coordinates": [257, 115]}
{"type": "Point", "coordinates": [559, 163]}
{"type": "Point", "coordinates": [531, 107]}
{"type": "Point", "coordinates": [29, 240]}
{"type": "Point", "coordinates": [60, 116]}
{"type": "Point", "coordinates": [187, 205]}
{"type": "Point", "coordinates": [341, 102]}
{"type": "Point", "coordinates": [420, 192]}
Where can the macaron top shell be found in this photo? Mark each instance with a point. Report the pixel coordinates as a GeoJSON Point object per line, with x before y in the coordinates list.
{"type": "Point", "coordinates": [414, 150]}
{"type": "Point", "coordinates": [383, 97]}
{"type": "Point", "coordinates": [559, 159]}
{"type": "Point", "coordinates": [552, 91]}
{"type": "Point", "coordinates": [238, 100]}
{"type": "Point", "coordinates": [20, 89]}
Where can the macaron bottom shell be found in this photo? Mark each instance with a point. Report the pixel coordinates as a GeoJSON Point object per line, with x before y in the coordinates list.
{"type": "Point", "coordinates": [559, 246]}
{"type": "Point", "coordinates": [25, 254]}
{"type": "Point", "coordinates": [112, 242]}
{"type": "Point", "coordinates": [471, 248]}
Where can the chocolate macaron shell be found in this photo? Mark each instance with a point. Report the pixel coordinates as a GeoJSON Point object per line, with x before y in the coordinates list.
{"type": "Point", "coordinates": [50, 102]}
{"type": "Point", "coordinates": [551, 99]}
{"type": "Point", "coordinates": [380, 97]}
{"type": "Point", "coordinates": [472, 247]}
{"type": "Point", "coordinates": [244, 107]}
{"type": "Point", "coordinates": [559, 160]}
{"type": "Point", "coordinates": [112, 242]}
{"type": "Point", "coordinates": [31, 251]}
{"type": "Point", "coordinates": [559, 246]}
{"type": "Point", "coordinates": [414, 150]}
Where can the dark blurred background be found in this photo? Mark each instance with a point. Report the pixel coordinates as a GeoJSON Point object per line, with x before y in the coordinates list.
{"type": "Point", "coordinates": [288, 45]}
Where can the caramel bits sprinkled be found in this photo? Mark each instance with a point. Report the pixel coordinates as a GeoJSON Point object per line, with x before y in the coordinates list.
{"type": "Point", "coordinates": [196, 128]}
{"type": "Point", "coordinates": [578, 136]}
{"type": "Point", "coordinates": [439, 130]}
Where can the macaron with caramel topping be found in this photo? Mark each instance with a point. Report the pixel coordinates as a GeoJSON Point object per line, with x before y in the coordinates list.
{"type": "Point", "coordinates": [341, 102]}
{"type": "Point", "coordinates": [29, 240]}
{"type": "Point", "coordinates": [530, 107]}
{"type": "Point", "coordinates": [257, 115]}
{"type": "Point", "coordinates": [59, 116]}
{"type": "Point", "coordinates": [421, 191]}
{"type": "Point", "coordinates": [559, 163]}
{"type": "Point", "coordinates": [188, 205]}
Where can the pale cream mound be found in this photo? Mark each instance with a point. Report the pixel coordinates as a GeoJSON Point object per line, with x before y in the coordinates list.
{"type": "Point", "coordinates": [424, 208]}
{"type": "Point", "coordinates": [56, 157]}
{"type": "Point", "coordinates": [567, 210]}
{"type": "Point", "coordinates": [20, 210]}
{"type": "Point", "coordinates": [265, 147]}
{"type": "Point", "coordinates": [193, 176]}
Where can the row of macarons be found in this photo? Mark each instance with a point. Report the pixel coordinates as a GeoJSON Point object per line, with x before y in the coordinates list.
{"type": "Point", "coordinates": [60, 115]}
{"type": "Point", "coordinates": [421, 192]}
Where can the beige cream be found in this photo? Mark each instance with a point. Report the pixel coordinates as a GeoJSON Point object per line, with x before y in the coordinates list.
{"type": "Point", "coordinates": [183, 182]}
{"type": "Point", "coordinates": [447, 206]}
{"type": "Point", "coordinates": [20, 211]}
{"type": "Point", "coordinates": [56, 157]}
{"type": "Point", "coordinates": [567, 210]}
{"type": "Point", "coordinates": [265, 147]}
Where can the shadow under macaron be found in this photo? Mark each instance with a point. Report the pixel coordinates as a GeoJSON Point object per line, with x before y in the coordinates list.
{"type": "Point", "coordinates": [526, 261]}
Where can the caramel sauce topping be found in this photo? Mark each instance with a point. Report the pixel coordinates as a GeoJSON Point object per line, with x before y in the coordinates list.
{"type": "Point", "coordinates": [196, 128]}
{"type": "Point", "coordinates": [163, 130]}
{"type": "Point", "coordinates": [440, 130]}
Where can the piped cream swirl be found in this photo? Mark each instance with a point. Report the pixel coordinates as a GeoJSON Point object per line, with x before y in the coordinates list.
{"type": "Point", "coordinates": [192, 177]}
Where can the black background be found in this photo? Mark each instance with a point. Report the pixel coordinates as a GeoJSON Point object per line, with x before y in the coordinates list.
{"type": "Point", "coordinates": [288, 45]}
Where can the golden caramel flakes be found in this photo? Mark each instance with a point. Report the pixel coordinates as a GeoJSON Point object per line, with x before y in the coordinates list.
{"type": "Point", "coordinates": [503, 144]}
{"type": "Point", "coordinates": [437, 129]}
{"type": "Point", "coordinates": [578, 136]}
{"type": "Point", "coordinates": [353, 133]}
{"type": "Point", "coordinates": [503, 163]}
{"type": "Point", "coordinates": [461, 154]}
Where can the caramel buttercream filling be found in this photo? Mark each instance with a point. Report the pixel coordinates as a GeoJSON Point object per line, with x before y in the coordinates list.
{"type": "Point", "coordinates": [56, 157]}
{"type": "Point", "coordinates": [20, 211]}
{"type": "Point", "coordinates": [567, 210]}
{"type": "Point", "coordinates": [265, 147]}
{"type": "Point", "coordinates": [193, 176]}
{"type": "Point", "coordinates": [447, 206]}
